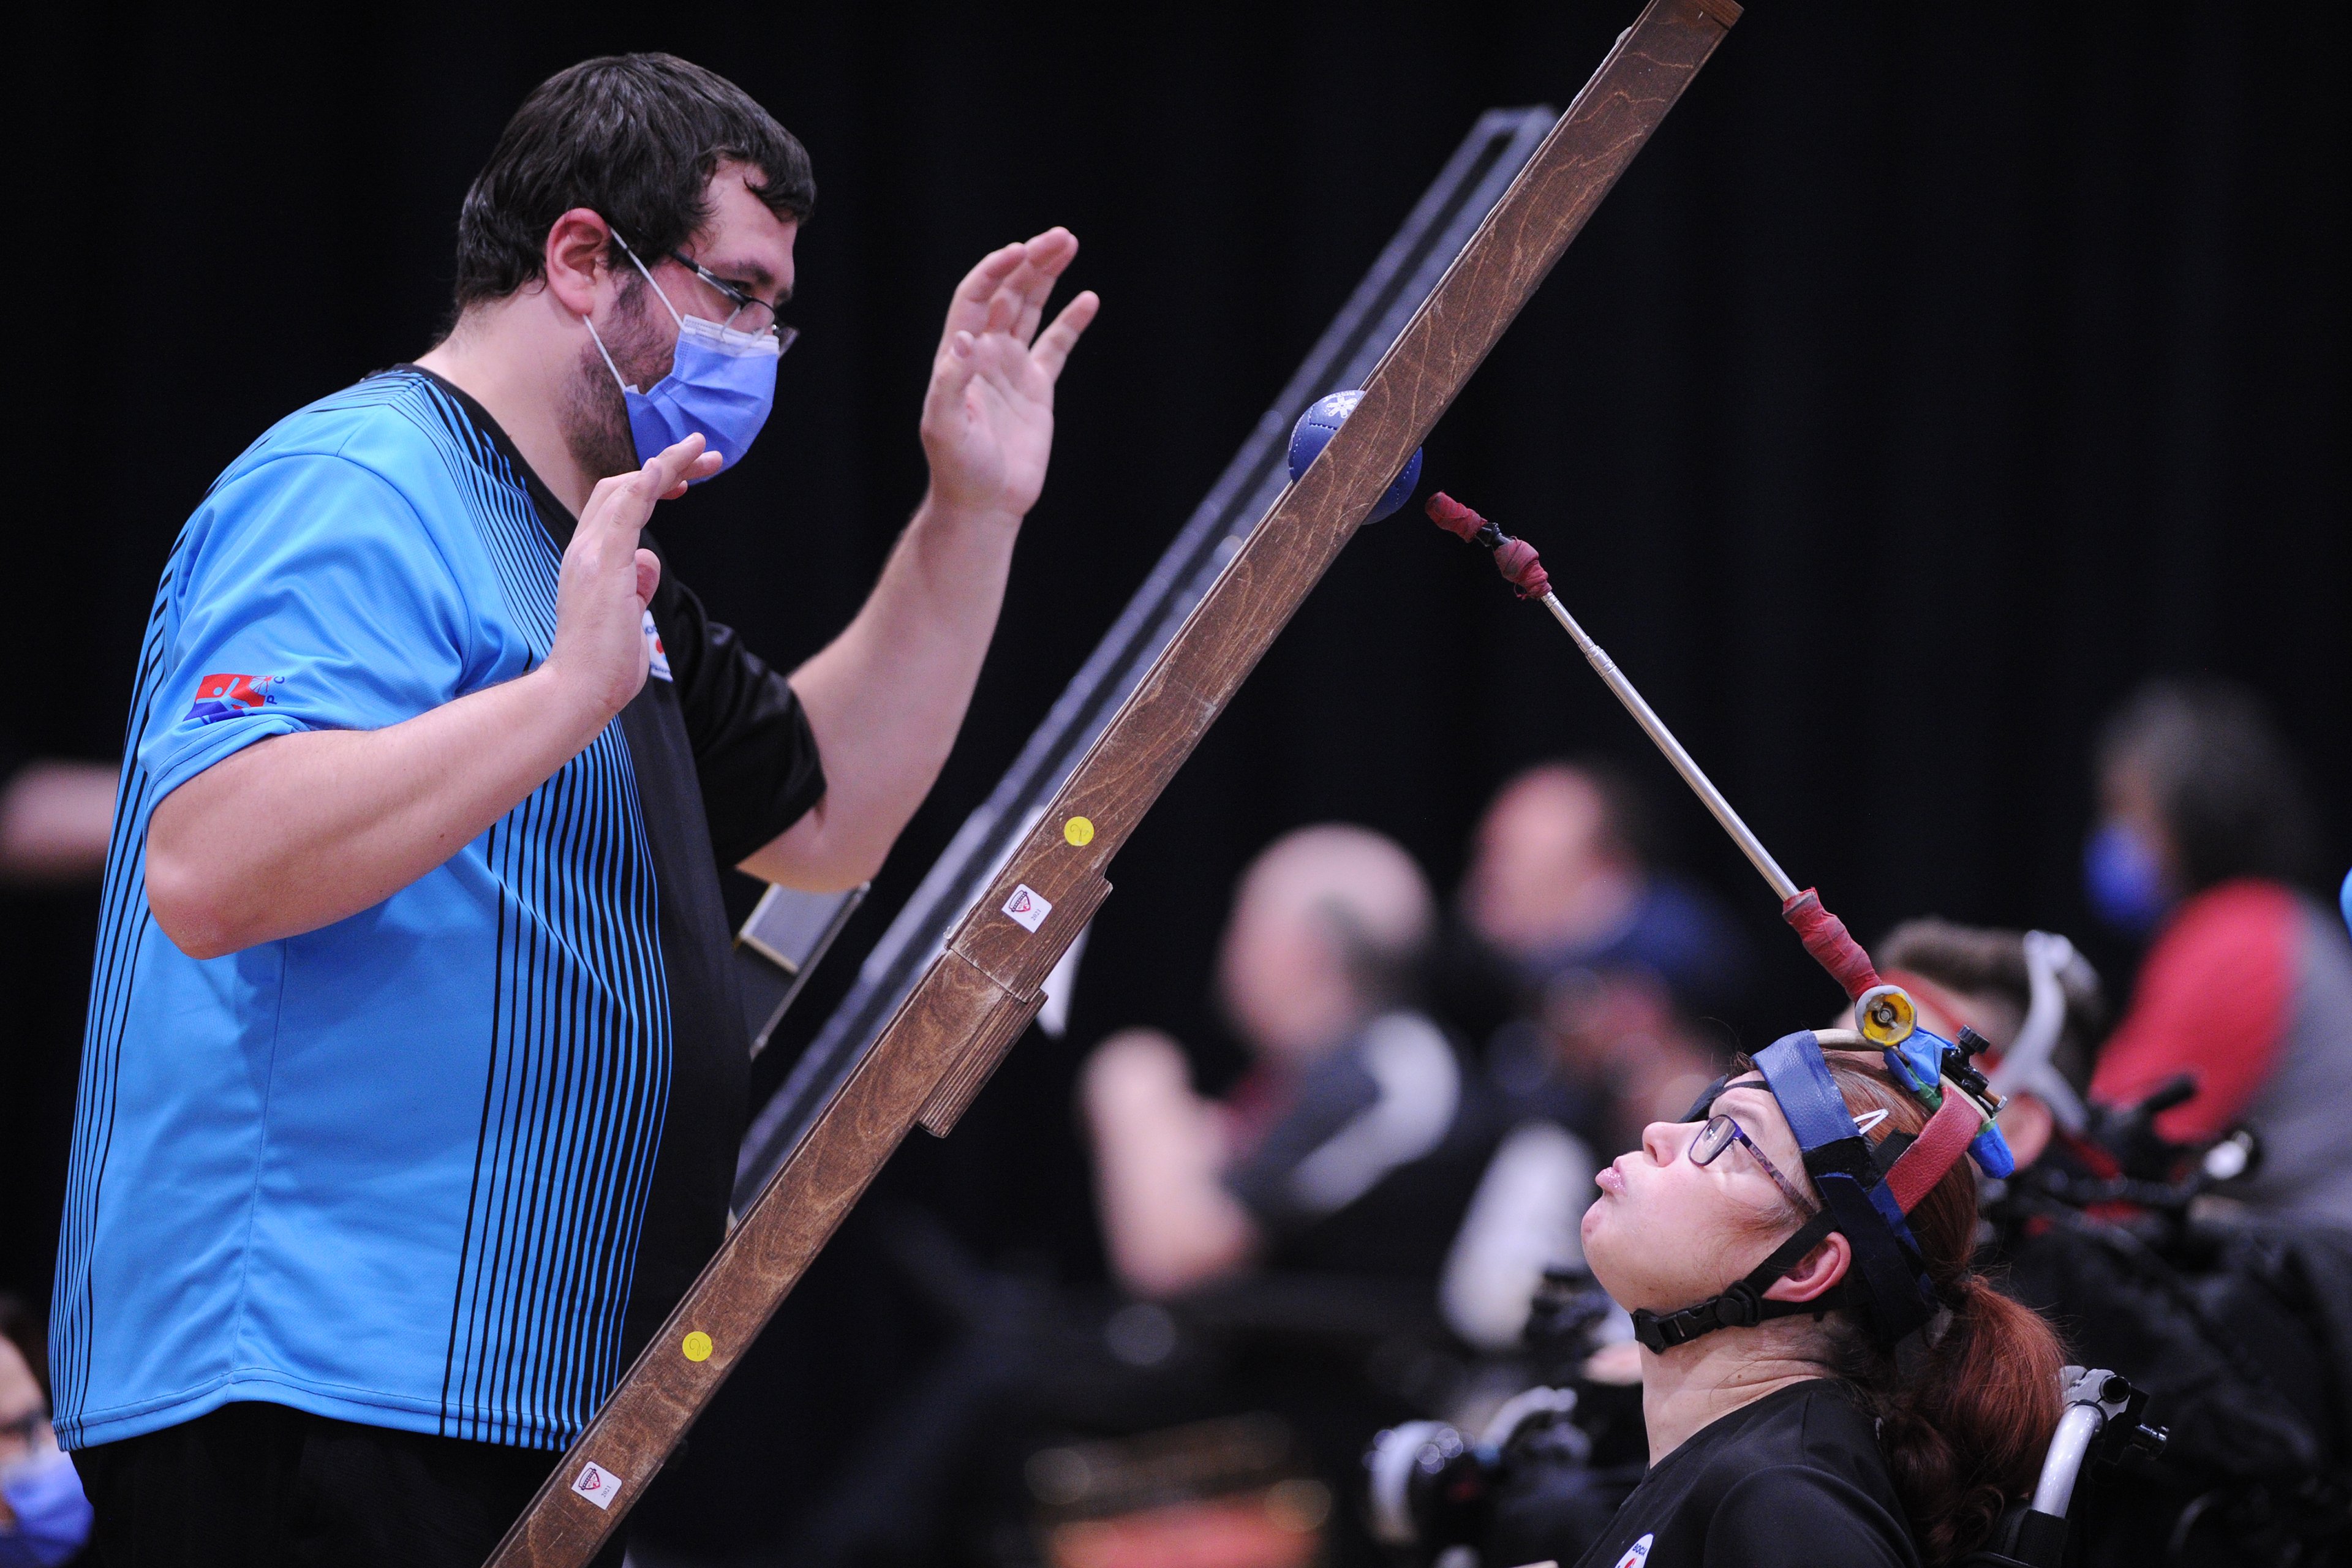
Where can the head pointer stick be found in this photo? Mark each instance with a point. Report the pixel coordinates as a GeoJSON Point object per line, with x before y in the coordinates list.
{"type": "Point", "coordinates": [1823, 934]}
{"type": "Point", "coordinates": [1868, 1201]}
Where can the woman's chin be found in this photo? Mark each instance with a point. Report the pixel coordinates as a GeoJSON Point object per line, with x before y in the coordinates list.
{"type": "Point", "coordinates": [1600, 1251]}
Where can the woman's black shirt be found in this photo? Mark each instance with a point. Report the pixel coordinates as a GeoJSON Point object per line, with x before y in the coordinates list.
{"type": "Point", "coordinates": [1794, 1480]}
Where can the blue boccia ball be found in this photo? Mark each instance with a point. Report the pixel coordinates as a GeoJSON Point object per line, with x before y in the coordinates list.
{"type": "Point", "coordinates": [1314, 432]}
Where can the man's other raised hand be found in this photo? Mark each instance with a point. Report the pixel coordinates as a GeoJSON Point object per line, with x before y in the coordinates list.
{"type": "Point", "coordinates": [607, 581]}
{"type": "Point", "coordinates": [988, 415]}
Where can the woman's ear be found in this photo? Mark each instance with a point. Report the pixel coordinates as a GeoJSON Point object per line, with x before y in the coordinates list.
{"type": "Point", "coordinates": [1823, 1267]}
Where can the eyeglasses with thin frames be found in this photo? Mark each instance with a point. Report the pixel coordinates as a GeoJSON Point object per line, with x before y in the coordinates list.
{"type": "Point", "coordinates": [1720, 1133]}
{"type": "Point", "coordinates": [752, 314]}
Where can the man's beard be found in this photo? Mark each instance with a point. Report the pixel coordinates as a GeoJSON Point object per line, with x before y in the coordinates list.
{"type": "Point", "coordinates": [595, 415]}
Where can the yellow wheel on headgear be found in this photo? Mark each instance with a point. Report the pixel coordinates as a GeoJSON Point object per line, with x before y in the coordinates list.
{"type": "Point", "coordinates": [1885, 1015]}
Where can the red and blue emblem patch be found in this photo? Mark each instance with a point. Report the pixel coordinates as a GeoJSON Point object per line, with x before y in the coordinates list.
{"type": "Point", "coordinates": [230, 696]}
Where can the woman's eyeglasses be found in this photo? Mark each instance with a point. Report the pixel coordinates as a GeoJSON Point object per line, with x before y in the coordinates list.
{"type": "Point", "coordinates": [1720, 1133]}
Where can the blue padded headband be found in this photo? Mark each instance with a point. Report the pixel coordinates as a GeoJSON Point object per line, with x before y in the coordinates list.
{"type": "Point", "coordinates": [1897, 1291]}
{"type": "Point", "coordinates": [1887, 1287]}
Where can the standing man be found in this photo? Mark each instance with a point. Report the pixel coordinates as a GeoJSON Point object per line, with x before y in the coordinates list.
{"type": "Point", "coordinates": [414, 1073]}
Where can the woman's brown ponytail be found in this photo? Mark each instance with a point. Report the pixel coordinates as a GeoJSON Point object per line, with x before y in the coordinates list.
{"type": "Point", "coordinates": [1967, 1415]}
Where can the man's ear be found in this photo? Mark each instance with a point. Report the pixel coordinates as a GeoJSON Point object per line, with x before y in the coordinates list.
{"type": "Point", "coordinates": [577, 246]}
{"type": "Point", "coordinates": [1823, 1267]}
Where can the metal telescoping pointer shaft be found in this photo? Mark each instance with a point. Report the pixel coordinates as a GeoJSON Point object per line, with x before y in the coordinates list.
{"type": "Point", "coordinates": [1693, 776]}
{"type": "Point", "coordinates": [1523, 569]}
{"type": "Point", "coordinates": [1823, 934]}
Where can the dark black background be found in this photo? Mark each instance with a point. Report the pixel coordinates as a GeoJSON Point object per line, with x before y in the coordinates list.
{"type": "Point", "coordinates": [1936, 374]}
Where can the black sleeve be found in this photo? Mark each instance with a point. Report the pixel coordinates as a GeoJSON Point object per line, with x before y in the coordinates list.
{"type": "Point", "coordinates": [1794, 1516]}
{"type": "Point", "coordinates": [753, 750]}
{"type": "Point", "coordinates": [1333, 1093]}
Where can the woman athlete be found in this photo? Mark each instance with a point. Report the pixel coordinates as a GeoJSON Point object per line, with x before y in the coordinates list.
{"type": "Point", "coordinates": [1870, 1401]}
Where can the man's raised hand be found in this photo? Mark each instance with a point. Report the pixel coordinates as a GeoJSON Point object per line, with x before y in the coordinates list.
{"type": "Point", "coordinates": [599, 654]}
{"type": "Point", "coordinates": [988, 417]}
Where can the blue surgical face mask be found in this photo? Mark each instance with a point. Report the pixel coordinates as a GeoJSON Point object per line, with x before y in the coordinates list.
{"type": "Point", "coordinates": [722, 384]}
{"type": "Point", "coordinates": [2125, 880]}
{"type": "Point", "coordinates": [52, 1516]}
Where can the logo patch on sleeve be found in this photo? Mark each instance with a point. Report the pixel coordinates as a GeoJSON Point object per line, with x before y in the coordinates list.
{"type": "Point", "coordinates": [657, 656]}
{"type": "Point", "coordinates": [232, 696]}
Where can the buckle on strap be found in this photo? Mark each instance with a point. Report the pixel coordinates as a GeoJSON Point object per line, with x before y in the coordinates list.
{"type": "Point", "coordinates": [1741, 1306]}
{"type": "Point", "coordinates": [1659, 1333]}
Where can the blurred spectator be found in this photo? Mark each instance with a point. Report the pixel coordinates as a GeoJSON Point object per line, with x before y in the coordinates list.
{"type": "Point", "coordinates": [1334, 1153]}
{"type": "Point", "coordinates": [54, 817]}
{"type": "Point", "coordinates": [1561, 878]}
{"type": "Point", "coordinates": [44, 1518]}
{"type": "Point", "coordinates": [2009, 986]}
{"type": "Point", "coordinates": [1285, 1241]}
{"type": "Point", "coordinates": [1612, 957]}
{"type": "Point", "coordinates": [2206, 837]}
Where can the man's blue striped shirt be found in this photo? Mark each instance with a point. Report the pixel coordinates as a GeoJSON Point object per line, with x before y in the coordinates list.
{"type": "Point", "coordinates": [442, 1164]}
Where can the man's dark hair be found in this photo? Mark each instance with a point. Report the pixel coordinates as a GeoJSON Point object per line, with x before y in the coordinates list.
{"type": "Point", "coordinates": [634, 137]}
{"type": "Point", "coordinates": [2230, 789]}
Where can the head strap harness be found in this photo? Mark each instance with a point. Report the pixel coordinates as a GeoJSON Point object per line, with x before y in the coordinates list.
{"type": "Point", "coordinates": [2052, 968]}
{"type": "Point", "coordinates": [1867, 1193]}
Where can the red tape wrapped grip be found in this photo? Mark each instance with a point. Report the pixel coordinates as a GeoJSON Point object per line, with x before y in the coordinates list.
{"type": "Point", "coordinates": [1515, 559]}
{"type": "Point", "coordinates": [1522, 568]}
{"type": "Point", "coordinates": [1455, 518]}
{"type": "Point", "coordinates": [1831, 945]}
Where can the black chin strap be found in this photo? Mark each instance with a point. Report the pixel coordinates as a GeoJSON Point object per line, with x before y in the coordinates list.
{"type": "Point", "coordinates": [1743, 1306]}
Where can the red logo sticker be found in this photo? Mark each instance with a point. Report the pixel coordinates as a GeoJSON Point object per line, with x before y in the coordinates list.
{"type": "Point", "coordinates": [228, 696]}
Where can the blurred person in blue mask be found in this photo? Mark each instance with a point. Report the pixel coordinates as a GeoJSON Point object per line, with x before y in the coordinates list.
{"type": "Point", "coordinates": [44, 1518]}
{"type": "Point", "coordinates": [2205, 840]}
